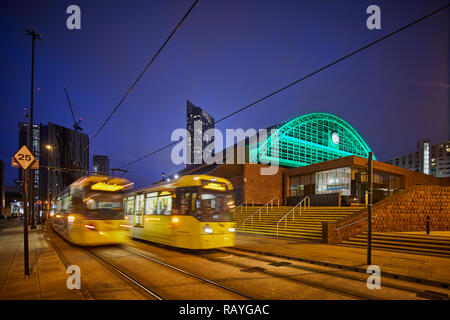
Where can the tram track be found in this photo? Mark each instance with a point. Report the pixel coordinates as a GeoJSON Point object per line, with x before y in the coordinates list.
{"type": "Point", "coordinates": [204, 255]}
{"type": "Point", "coordinates": [86, 291]}
{"type": "Point", "coordinates": [138, 283]}
{"type": "Point", "coordinates": [123, 274]}
{"type": "Point", "coordinates": [336, 273]}
{"type": "Point", "coordinates": [311, 284]}
{"type": "Point", "coordinates": [187, 273]}
{"type": "Point", "coordinates": [320, 277]}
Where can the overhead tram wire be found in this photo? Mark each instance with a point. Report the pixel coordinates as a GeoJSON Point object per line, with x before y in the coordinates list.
{"type": "Point", "coordinates": [142, 73]}
{"type": "Point", "coordinates": [303, 78]}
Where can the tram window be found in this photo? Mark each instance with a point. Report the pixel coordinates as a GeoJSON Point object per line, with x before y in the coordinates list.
{"type": "Point", "coordinates": [130, 206]}
{"type": "Point", "coordinates": [209, 200]}
{"type": "Point", "coordinates": [150, 204]}
{"type": "Point", "coordinates": [195, 202]}
{"type": "Point", "coordinates": [185, 198]}
{"type": "Point", "coordinates": [67, 202]}
{"type": "Point", "coordinates": [164, 205]}
{"type": "Point", "coordinates": [139, 204]}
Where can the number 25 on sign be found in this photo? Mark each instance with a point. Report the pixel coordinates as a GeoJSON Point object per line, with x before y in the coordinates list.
{"type": "Point", "coordinates": [24, 158]}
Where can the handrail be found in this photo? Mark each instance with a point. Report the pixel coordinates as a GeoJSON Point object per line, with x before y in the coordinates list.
{"type": "Point", "coordinates": [259, 211]}
{"type": "Point", "coordinates": [350, 224]}
{"type": "Point", "coordinates": [293, 212]}
{"type": "Point", "coordinates": [241, 206]}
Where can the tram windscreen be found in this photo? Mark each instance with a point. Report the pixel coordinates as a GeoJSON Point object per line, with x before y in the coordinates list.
{"type": "Point", "coordinates": [214, 206]}
{"type": "Point", "coordinates": [104, 205]}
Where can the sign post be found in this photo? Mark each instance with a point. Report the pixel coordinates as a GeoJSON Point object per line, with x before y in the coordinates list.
{"type": "Point", "coordinates": [25, 159]}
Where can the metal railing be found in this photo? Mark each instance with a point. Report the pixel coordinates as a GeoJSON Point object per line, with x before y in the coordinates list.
{"type": "Point", "coordinates": [260, 209]}
{"type": "Point", "coordinates": [241, 206]}
{"type": "Point", "coordinates": [306, 202]}
{"type": "Point", "coordinates": [352, 223]}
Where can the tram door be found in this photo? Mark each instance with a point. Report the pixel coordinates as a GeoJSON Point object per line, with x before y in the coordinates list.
{"type": "Point", "coordinates": [139, 211]}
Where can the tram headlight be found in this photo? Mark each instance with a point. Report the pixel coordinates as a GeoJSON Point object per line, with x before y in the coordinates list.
{"type": "Point", "coordinates": [70, 218]}
{"type": "Point", "coordinates": [231, 229]}
{"type": "Point", "coordinates": [207, 229]}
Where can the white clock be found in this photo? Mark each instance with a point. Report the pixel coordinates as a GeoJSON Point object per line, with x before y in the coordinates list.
{"type": "Point", "coordinates": [335, 138]}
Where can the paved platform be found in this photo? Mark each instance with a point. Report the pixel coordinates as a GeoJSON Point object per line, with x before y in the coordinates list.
{"type": "Point", "coordinates": [48, 276]}
{"type": "Point", "coordinates": [407, 266]}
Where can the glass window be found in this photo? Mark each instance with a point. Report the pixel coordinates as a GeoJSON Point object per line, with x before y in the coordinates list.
{"type": "Point", "coordinates": [67, 202]}
{"type": "Point", "coordinates": [139, 209]}
{"type": "Point", "coordinates": [130, 206]}
{"type": "Point", "coordinates": [195, 203]}
{"type": "Point", "coordinates": [164, 205]}
{"type": "Point", "coordinates": [333, 181]}
{"type": "Point", "coordinates": [151, 201]}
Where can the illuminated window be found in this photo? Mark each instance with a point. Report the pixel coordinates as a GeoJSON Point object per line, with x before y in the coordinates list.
{"type": "Point", "coordinates": [426, 158]}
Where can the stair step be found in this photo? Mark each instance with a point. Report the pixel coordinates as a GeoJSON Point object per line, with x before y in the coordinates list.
{"type": "Point", "coordinates": [400, 248]}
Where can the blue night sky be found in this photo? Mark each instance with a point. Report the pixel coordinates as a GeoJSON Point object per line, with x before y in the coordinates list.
{"type": "Point", "coordinates": [227, 54]}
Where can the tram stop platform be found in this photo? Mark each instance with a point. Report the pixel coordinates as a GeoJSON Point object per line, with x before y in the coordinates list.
{"type": "Point", "coordinates": [48, 276]}
{"type": "Point", "coordinates": [425, 269]}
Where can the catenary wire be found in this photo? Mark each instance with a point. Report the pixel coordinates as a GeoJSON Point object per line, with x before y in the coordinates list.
{"type": "Point", "coordinates": [299, 80]}
{"type": "Point", "coordinates": [142, 73]}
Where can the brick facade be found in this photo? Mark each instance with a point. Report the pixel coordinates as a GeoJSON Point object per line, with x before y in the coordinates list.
{"type": "Point", "coordinates": [405, 211]}
{"type": "Point", "coordinates": [262, 188]}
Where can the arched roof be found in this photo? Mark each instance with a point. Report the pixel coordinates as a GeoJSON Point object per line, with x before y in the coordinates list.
{"type": "Point", "coordinates": [311, 138]}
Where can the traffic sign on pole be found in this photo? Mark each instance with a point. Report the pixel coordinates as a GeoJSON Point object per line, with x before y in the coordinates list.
{"type": "Point", "coordinates": [24, 157]}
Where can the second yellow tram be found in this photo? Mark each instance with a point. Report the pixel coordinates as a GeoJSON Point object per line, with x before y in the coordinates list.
{"type": "Point", "coordinates": [191, 212]}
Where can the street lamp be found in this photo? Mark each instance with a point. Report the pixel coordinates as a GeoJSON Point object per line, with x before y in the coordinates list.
{"type": "Point", "coordinates": [35, 36]}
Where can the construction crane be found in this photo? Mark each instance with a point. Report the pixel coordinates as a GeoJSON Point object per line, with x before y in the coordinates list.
{"type": "Point", "coordinates": [76, 125]}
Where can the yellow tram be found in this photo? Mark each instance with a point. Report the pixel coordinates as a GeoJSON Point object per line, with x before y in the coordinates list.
{"type": "Point", "coordinates": [89, 211]}
{"type": "Point", "coordinates": [191, 212]}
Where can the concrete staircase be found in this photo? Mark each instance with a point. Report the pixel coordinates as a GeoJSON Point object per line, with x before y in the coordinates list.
{"type": "Point", "coordinates": [408, 242]}
{"type": "Point", "coordinates": [307, 226]}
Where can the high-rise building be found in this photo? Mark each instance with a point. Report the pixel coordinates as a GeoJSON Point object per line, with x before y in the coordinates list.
{"type": "Point", "coordinates": [198, 121]}
{"type": "Point", "coordinates": [35, 148]}
{"type": "Point", "coordinates": [429, 159]}
{"type": "Point", "coordinates": [100, 165]}
{"type": "Point", "coordinates": [63, 157]}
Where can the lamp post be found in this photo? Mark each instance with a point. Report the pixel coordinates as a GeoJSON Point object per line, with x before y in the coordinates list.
{"type": "Point", "coordinates": [34, 36]}
{"type": "Point", "coordinates": [369, 208]}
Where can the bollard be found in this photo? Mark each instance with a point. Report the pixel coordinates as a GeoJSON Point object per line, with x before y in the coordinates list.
{"type": "Point", "coordinates": [428, 224]}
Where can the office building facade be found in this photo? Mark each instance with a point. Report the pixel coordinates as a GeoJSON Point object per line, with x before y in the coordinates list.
{"type": "Point", "coordinates": [63, 156]}
{"type": "Point", "coordinates": [36, 149]}
{"type": "Point", "coordinates": [428, 159]}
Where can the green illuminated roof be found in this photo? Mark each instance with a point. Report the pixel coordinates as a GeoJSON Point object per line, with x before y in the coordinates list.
{"type": "Point", "coordinates": [308, 139]}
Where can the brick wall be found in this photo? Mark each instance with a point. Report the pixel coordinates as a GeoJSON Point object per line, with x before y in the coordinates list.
{"type": "Point", "coordinates": [405, 211]}
{"type": "Point", "coordinates": [262, 188]}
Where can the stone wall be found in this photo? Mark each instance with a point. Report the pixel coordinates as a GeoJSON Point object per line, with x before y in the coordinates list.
{"type": "Point", "coordinates": [405, 211]}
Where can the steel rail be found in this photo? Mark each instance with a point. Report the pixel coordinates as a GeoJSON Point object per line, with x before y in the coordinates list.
{"type": "Point", "coordinates": [186, 272]}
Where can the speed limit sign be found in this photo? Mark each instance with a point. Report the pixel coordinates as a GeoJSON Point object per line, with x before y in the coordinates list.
{"type": "Point", "coordinates": [24, 157]}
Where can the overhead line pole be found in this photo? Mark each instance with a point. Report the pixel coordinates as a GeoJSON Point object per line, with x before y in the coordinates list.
{"type": "Point", "coordinates": [369, 207]}
{"type": "Point", "coordinates": [34, 36]}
